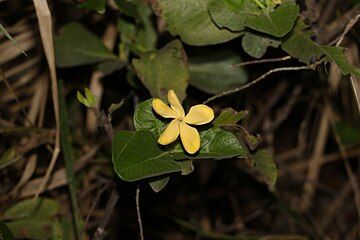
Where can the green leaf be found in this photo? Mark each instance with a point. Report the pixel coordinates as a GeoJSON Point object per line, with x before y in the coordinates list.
{"type": "Point", "coordinates": [145, 119]}
{"type": "Point", "coordinates": [95, 5]}
{"type": "Point", "coordinates": [33, 208]}
{"type": "Point", "coordinates": [7, 34]}
{"type": "Point", "coordinates": [336, 55]}
{"type": "Point", "coordinates": [211, 72]}
{"type": "Point", "coordinates": [5, 232]}
{"type": "Point", "coordinates": [71, 49]}
{"type": "Point", "coordinates": [89, 100]}
{"type": "Point", "coordinates": [187, 166]}
{"type": "Point", "coordinates": [159, 184]}
{"type": "Point", "coordinates": [232, 14]}
{"type": "Point", "coordinates": [299, 45]}
{"type": "Point", "coordinates": [8, 158]}
{"type": "Point", "coordinates": [136, 156]}
{"type": "Point", "coordinates": [229, 116]}
{"type": "Point", "coordinates": [278, 22]}
{"type": "Point", "coordinates": [191, 21]}
{"type": "Point", "coordinates": [265, 165]}
{"type": "Point", "coordinates": [349, 133]}
{"type": "Point", "coordinates": [163, 70]}
{"type": "Point", "coordinates": [256, 45]}
{"type": "Point", "coordinates": [31, 228]}
{"type": "Point", "coordinates": [216, 144]}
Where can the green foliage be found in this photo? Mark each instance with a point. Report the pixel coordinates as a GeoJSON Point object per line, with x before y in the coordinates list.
{"type": "Point", "coordinates": [136, 155]}
{"type": "Point", "coordinates": [212, 72]}
{"type": "Point", "coordinates": [71, 49]}
{"type": "Point", "coordinates": [229, 116]}
{"type": "Point", "coordinates": [349, 133]}
{"type": "Point", "coordinates": [265, 165]}
{"type": "Point", "coordinates": [159, 184]}
{"type": "Point", "coordinates": [164, 69]}
{"type": "Point", "coordinates": [89, 100]}
{"type": "Point", "coordinates": [191, 21]}
{"type": "Point", "coordinates": [145, 119]}
{"type": "Point", "coordinates": [95, 5]}
{"type": "Point", "coordinates": [5, 232]}
{"type": "Point", "coordinates": [256, 45]}
{"type": "Point", "coordinates": [32, 218]}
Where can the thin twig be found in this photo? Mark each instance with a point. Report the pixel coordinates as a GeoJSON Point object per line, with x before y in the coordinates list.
{"type": "Point", "coordinates": [282, 69]}
{"type": "Point", "coordinates": [348, 27]}
{"type": "Point", "coordinates": [261, 61]}
{"type": "Point", "coordinates": [137, 198]}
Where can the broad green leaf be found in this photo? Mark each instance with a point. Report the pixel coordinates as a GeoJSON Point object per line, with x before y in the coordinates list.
{"type": "Point", "coordinates": [256, 45]}
{"type": "Point", "coordinates": [232, 14]}
{"type": "Point", "coordinates": [9, 157]}
{"type": "Point", "coordinates": [159, 183]}
{"type": "Point", "coordinates": [7, 34]}
{"type": "Point", "coordinates": [145, 119]}
{"type": "Point", "coordinates": [33, 208]}
{"type": "Point", "coordinates": [95, 5]}
{"type": "Point", "coordinates": [190, 20]}
{"type": "Point", "coordinates": [5, 233]}
{"type": "Point", "coordinates": [31, 228]}
{"type": "Point", "coordinates": [278, 22]}
{"type": "Point", "coordinates": [265, 165]}
{"type": "Point", "coordinates": [215, 143]}
{"type": "Point", "coordinates": [71, 49]}
{"type": "Point", "coordinates": [229, 116]}
{"type": "Point", "coordinates": [136, 155]}
{"type": "Point", "coordinates": [127, 7]}
{"type": "Point", "coordinates": [109, 67]}
{"type": "Point", "coordinates": [212, 72]}
{"type": "Point", "coordinates": [300, 46]}
{"type": "Point", "coordinates": [163, 70]}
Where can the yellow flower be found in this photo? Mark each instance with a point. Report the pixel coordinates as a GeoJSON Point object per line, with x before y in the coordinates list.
{"type": "Point", "coordinates": [197, 115]}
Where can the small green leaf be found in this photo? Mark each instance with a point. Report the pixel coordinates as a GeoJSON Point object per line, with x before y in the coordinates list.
{"type": "Point", "coordinates": [212, 72]}
{"type": "Point", "coordinates": [264, 163]}
{"type": "Point", "coordinates": [71, 49]}
{"type": "Point", "coordinates": [136, 156]}
{"type": "Point", "coordinates": [9, 157]}
{"type": "Point", "coordinates": [349, 133]}
{"type": "Point", "coordinates": [229, 116]}
{"type": "Point", "coordinates": [89, 100]}
{"type": "Point", "coordinates": [145, 119]}
{"type": "Point", "coordinates": [191, 21]}
{"type": "Point", "coordinates": [159, 183]}
{"type": "Point", "coordinates": [33, 208]}
{"type": "Point", "coordinates": [187, 166]}
{"type": "Point", "coordinates": [109, 67]}
{"type": "Point", "coordinates": [256, 45]}
{"type": "Point", "coordinates": [31, 228]}
{"type": "Point", "coordinates": [163, 70]}
{"type": "Point", "coordinates": [336, 55]}
{"type": "Point", "coordinates": [278, 22]}
{"type": "Point", "coordinates": [95, 5]}
{"type": "Point", "coordinates": [5, 233]}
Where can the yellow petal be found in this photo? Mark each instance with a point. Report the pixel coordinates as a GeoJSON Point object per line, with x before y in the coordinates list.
{"type": "Point", "coordinates": [190, 138]}
{"type": "Point", "coordinates": [170, 133]}
{"type": "Point", "coordinates": [199, 114]}
{"type": "Point", "coordinates": [175, 103]}
{"type": "Point", "coordinates": [162, 109]}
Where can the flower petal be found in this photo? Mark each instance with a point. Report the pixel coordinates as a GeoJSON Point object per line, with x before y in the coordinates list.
{"type": "Point", "coordinates": [162, 109]}
{"type": "Point", "coordinates": [170, 133]}
{"type": "Point", "coordinates": [199, 114]}
{"type": "Point", "coordinates": [190, 138]}
{"type": "Point", "coordinates": [175, 103]}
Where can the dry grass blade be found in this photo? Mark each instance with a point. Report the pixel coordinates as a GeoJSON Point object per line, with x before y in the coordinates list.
{"type": "Point", "coordinates": [45, 24]}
